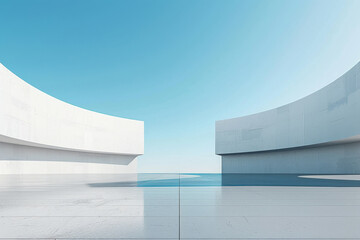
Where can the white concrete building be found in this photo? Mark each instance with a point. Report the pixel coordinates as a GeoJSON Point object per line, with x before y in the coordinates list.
{"type": "Point", "coordinates": [41, 134]}
{"type": "Point", "coordinates": [317, 134]}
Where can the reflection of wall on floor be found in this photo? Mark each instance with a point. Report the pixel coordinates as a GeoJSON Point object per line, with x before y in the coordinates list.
{"type": "Point", "coordinates": [316, 134]}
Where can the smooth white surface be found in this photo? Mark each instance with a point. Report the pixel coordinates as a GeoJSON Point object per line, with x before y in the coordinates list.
{"type": "Point", "coordinates": [328, 115]}
{"type": "Point", "coordinates": [271, 227]}
{"type": "Point", "coordinates": [31, 117]}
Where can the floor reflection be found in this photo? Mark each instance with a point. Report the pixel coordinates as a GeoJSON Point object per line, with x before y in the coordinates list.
{"type": "Point", "coordinates": [186, 206]}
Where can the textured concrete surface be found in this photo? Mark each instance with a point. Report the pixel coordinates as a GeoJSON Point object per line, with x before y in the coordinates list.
{"type": "Point", "coordinates": [340, 158]}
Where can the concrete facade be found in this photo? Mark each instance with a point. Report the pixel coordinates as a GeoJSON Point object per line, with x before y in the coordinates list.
{"type": "Point", "coordinates": [317, 134]}
{"type": "Point", "coordinates": [41, 134]}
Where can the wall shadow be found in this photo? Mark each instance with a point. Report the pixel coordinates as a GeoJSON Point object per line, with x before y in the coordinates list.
{"type": "Point", "coordinates": [294, 180]}
{"type": "Point", "coordinates": [14, 152]}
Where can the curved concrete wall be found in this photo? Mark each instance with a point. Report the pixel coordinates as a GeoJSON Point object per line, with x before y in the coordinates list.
{"type": "Point", "coordinates": [327, 117]}
{"type": "Point", "coordinates": [31, 118]}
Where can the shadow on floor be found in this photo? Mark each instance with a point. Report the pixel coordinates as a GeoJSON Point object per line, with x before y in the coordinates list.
{"type": "Point", "coordinates": [208, 180]}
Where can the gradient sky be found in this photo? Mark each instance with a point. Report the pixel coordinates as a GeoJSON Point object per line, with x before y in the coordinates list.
{"type": "Point", "coordinates": [179, 65]}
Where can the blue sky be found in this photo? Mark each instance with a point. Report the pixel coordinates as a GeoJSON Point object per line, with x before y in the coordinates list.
{"type": "Point", "coordinates": [179, 65]}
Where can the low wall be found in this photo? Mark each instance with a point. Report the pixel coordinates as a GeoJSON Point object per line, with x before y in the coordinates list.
{"type": "Point", "coordinates": [19, 159]}
{"type": "Point", "coordinates": [332, 159]}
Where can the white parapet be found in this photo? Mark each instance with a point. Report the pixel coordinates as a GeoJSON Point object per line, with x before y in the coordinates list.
{"type": "Point", "coordinates": [283, 139]}
{"type": "Point", "coordinates": [41, 134]}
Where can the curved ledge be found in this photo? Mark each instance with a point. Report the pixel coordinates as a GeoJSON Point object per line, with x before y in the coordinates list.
{"type": "Point", "coordinates": [30, 117]}
{"type": "Point", "coordinates": [329, 116]}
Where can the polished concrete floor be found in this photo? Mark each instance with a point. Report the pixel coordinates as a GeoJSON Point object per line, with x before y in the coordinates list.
{"type": "Point", "coordinates": [186, 206]}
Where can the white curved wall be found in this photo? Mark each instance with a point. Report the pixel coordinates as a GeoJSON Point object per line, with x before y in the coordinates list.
{"type": "Point", "coordinates": [29, 117]}
{"type": "Point", "coordinates": [329, 116]}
